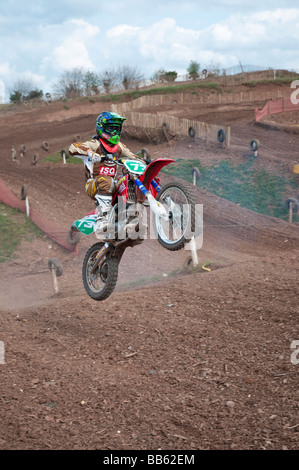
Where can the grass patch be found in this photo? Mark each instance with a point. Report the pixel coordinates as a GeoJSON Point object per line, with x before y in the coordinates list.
{"type": "Point", "coordinates": [244, 184]}
{"type": "Point", "coordinates": [192, 88]}
{"type": "Point", "coordinates": [14, 227]}
{"type": "Point", "coordinates": [275, 81]}
{"type": "Point", "coordinates": [171, 89]}
{"type": "Point", "coordinates": [57, 158]}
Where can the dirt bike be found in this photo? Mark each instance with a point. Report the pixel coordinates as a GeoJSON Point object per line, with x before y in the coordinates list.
{"type": "Point", "coordinates": [172, 208]}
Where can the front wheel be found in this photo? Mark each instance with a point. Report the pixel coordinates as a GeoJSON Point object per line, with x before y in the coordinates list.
{"type": "Point", "coordinates": [100, 283]}
{"type": "Point", "coordinates": [179, 203]}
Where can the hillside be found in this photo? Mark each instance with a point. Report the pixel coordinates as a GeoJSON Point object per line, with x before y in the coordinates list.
{"type": "Point", "coordinates": [173, 359]}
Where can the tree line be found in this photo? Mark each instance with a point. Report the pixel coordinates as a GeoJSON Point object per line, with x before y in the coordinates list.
{"type": "Point", "coordinates": [78, 83]}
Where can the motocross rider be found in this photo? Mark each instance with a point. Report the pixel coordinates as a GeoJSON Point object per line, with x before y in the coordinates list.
{"type": "Point", "coordinates": [100, 171]}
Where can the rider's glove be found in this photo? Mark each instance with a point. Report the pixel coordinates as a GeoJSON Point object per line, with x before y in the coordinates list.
{"type": "Point", "coordinates": [95, 157]}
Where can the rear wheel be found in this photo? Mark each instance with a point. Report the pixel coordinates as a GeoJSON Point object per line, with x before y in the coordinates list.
{"type": "Point", "coordinates": [179, 203]}
{"type": "Point", "coordinates": [100, 283]}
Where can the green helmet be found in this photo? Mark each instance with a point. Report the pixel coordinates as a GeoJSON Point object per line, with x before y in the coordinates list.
{"type": "Point", "coordinates": [109, 127]}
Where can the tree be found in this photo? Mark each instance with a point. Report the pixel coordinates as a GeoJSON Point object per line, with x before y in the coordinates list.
{"type": "Point", "coordinates": [158, 75]}
{"type": "Point", "coordinates": [170, 76]}
{"type": "Point", "coordinates": [129, 77]}
{"type": "Point", "coordinates": [23, 90]}
{"type": "Point", "coordinates": [15, 97]}
{"type": "Point", "coordinates": [34, 94]}
{"type": "Point", "coordinates": [213, 70]}
{"type": "Point", "coordinates": [193, 69]}
{"type": "Point", "coordinates": [108, 79]}
{"type": "Point", "coordinates": [91, 83]}
{"type": "Point", "coordinates": [70, 84]}
{"type": "Point", "coordinates": [162, 76]}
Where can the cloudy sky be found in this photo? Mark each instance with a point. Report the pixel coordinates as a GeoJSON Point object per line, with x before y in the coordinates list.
{"type": "Point", "coordinates": [40, 38]}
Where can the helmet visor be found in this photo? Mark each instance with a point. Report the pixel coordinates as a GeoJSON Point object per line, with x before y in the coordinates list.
{"type": "Point", "coordinates": [113, 129]}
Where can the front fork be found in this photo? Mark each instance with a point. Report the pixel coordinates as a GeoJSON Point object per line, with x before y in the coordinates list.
{"type": "Point", "coordinates": [155, 205]}
{"type": "Point", "coordinates": [100, 255]}
{"type": "Point", "coordinates": [156, 186]}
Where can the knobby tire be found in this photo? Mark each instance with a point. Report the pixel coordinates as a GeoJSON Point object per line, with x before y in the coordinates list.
{"type": "Point", "coordinates": [111, 267]}
{"type": "Point", "coordinates": [191, 201]}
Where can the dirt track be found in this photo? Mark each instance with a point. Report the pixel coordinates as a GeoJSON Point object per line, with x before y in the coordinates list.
{"type": "Point", "coordinates": [173, 359]}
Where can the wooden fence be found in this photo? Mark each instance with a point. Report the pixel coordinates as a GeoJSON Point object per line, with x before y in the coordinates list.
{"type": "Point", "coordinates": [174, 125]}
{"type": "Point", "coordinates": [182, 126]}
{"type": "Point", "coordinates": [203, 97]}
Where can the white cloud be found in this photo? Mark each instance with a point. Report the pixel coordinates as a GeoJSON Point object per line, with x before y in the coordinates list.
{"type": "Point", "coordinates": [46, 38]}
{"type": "Point", "coordinates": [263, 37]}
{"type": "Point", "coordinates": [222, 34]}
{"type": "Point", "coordinates": [70, 54]}
{"type": "Point", "coordinates": [254, 37]}
{"type": "Point", "coordinates": [163, 43]}
{"type": "Point", "coordinates": [123, 30]}
{"type": "Point", "coordinates": [5, 69]}
{"type": "Point", "coordinates": [274, 17]}
{"type": "Point", "coordinates": [70, 46]}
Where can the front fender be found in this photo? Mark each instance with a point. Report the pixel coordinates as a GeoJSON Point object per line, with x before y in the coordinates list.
{"type": "Point", "coordinates": [153, 169]}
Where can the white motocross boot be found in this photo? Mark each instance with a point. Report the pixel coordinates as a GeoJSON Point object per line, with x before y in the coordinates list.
{"type": "Point", "coordinates": [103, 203]}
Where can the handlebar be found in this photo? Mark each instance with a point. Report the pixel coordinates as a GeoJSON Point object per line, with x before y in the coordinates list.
{"type": "Point", "coordinates": [109, 158]}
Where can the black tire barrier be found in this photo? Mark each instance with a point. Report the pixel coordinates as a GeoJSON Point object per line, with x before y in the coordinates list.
{"type": "Point", "coordinates": [221, 135]}
{"type": "Point", "coordinates": [254, 145]}
{"type": "Point", "coordinates": [78, 138]}
{"type": "Point", "coordinates": [191, 132]}
{"type": "Point", "coordinates": [49, 97]}
{"type": "Point", "coordinates": [145, 153]}
{"type": "Point", "coordinates": [45, 146]}
{"type": "Point", "coordinates": [195, 173]}
{"type": "Point", "coordinates": [295, 204]}
{"type": "Point", "coordinates": [35, 159]}
{"type": "Point", "coordinates": [23, 192]}
{"type": "Point", "coordinates": [165, 130]}
{"type": "Point", "coordinates": [73, 237]}
{"type": "Point", "coordinates": [22, 150]}
{"type": "Point", "coordinates": [64, 154]}
{"type": "Point", "coordinates": [53, 263]}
